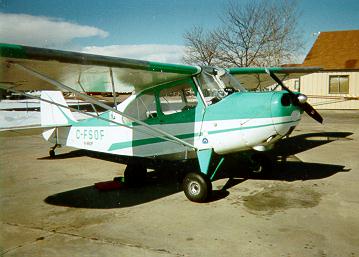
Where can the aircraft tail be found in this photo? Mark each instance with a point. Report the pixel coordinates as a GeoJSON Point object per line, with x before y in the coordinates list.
{"type": "Point", "coordinates": [53, 115]}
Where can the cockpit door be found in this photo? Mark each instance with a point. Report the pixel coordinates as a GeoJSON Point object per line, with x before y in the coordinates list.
{"type": "Point", "coordinates": [181, 110]}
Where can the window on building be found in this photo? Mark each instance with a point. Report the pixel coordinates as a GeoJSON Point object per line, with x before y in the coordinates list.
{"type": "Point", "coordinates": [297, 85]}
{"type": "Point", "coordinates": [339, 84]}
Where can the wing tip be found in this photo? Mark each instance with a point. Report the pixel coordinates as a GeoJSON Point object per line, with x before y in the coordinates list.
{"type": "Point", "coordinates": [12, 51]}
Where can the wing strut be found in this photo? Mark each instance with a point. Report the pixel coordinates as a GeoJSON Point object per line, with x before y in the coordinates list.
{"type": "Point", "coordinates": [105, 106]}
{"type": "Point", "coordinates": [83, 89]}
{"type": "Point", "coordinates": [113, 89]}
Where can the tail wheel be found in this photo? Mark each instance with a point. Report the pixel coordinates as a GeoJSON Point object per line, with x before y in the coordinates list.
{"type": "Point", "coordinates": [52, 153]}
{"type": "Point", "coordinates": [135, 175]}
{"type": "Point", "coordinates": [197, 187]}
{"type": "Point", "coordinates": [52, 150]}
{"type": "Point", "coordinates": [261, 165]}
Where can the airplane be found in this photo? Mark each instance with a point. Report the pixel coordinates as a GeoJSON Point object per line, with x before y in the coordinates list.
{"type": "Point", "coordinates": [176, 112]}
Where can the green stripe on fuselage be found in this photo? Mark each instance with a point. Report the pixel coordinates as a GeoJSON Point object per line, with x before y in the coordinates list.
{"type": "Point", "coordinates": [250, 127]}
{"type": "Point", "coordinates": [153, 140]}
{"type": "Point", "coordinates": [147, 141]}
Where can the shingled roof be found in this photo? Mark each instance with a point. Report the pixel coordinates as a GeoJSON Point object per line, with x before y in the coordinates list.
{"type": "Point", "coordinates": [335, 50]}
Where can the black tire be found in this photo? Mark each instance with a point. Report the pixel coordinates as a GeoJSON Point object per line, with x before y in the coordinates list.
{"type": "Point", "coordinates": [261, 166]}
{"type": "Point", "coordinates": [197, 187]}
{"type": "Point", "coordinates": [52, 153]}
{"type": "Point", "coordinates": [135, 175]}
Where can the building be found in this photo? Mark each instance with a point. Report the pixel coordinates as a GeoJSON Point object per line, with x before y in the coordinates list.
{"type": "Point", "coordinates": [337, 85]}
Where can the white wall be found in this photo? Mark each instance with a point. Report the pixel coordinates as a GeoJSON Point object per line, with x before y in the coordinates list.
{"type": "Point", "coordinates": [317, 84]}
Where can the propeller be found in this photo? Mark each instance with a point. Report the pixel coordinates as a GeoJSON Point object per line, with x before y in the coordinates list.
{"type": "Point", "coordinates": [300, 100]}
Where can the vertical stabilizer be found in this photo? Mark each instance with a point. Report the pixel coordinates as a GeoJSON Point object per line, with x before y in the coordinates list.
{"type": "Point", "coordinates": [52, 114]}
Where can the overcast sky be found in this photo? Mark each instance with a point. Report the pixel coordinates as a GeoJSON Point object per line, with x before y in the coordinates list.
{"type": "Point", "coordinates": [142, 29]}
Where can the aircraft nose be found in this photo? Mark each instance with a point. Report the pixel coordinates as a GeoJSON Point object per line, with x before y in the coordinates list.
{"type": "Point", "coordinates": [302, 98]}
{"type": "Point", "coordinates": [285, 113]}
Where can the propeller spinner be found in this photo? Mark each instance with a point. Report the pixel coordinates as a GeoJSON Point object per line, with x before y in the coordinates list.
{"type": "Point", "coordinates": [300, 100]}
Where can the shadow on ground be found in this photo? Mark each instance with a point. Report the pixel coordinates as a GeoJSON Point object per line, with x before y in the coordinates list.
{"type": "Point", "coordinates": [161, 184]}
{"type": "Point", "coordinates": [300, 143]}
{"type": "Point", "coordinates": [90, 197]}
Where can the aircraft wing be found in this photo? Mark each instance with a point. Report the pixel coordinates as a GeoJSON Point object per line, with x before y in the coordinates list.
{"type": "Point", "coordinates": [256, 77]}
{"type": "Point", "coordinates": [82, 72]}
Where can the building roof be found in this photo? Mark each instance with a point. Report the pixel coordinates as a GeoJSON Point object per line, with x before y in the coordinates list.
{"type": "Point", "coordinates": [335, 50]}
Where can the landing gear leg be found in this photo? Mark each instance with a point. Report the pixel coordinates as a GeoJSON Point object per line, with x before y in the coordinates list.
{"type": "Point", "coordinates": [197, 186]}
{"type": "Point", "coordinates": [260, 165]}
{"type": "Point", "coordinates": [52, 150]}
{"type": "Point", "coordinates": [135, 175]}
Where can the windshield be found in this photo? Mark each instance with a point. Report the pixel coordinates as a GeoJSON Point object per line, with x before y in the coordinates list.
{"type": "Point", "coordinates": [217, 83]}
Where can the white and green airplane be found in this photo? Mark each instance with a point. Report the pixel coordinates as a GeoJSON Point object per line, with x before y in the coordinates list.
{"type": "Point", "coordinates": [176, 112]}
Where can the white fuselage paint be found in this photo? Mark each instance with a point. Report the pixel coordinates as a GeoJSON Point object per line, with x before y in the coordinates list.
{"type": "Point", "coordinates": [223, 136]}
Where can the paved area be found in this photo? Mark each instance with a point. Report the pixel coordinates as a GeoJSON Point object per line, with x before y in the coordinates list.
{"type": "Point", "coordinates": [308, 207]}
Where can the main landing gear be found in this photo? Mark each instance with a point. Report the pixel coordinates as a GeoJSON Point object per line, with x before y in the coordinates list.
{"type": "Point", "coordinates": [135, 174]}
{"type": "Point", "coordinates": [197, 187]}
{"type": "Point", "coordinates": [260, 165]}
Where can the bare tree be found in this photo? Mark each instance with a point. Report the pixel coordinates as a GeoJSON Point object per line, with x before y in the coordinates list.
{"type": "Point", "coordinates": [259, 33]}
{"type": "Point", "coordinates": [201, 47]}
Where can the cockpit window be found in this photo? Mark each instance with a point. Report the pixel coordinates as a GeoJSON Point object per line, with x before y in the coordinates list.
{"type": "Point", "coordinates": [177, 99]}
{"type": "Point", "coordinates": [231, 82]}
{"type": "Point", "coordinates": [212, 91]}
{"type": "Point", "coordinates": [216, 84]}
{"type": "Point", "coordinates": [142, 108]}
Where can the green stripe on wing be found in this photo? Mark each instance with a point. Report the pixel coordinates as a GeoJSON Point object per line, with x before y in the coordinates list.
{"type": "Point", "coordinates": [262, 70]}
{"type": "Point", "coordinates": [253, 78]}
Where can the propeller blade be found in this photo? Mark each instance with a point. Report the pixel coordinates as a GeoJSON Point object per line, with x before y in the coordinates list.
{"type": "Point", "coordinates": [312, 112]}
{"type": "Point", "coordinates": [305, 106]}
{"type": "Point", "coordinates": [279, 82]}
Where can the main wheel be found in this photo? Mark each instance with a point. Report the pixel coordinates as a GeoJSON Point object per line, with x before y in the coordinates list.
{"type": "Point", "coordinates": [135, 175]}
{"type": "Point", "coordinates": [197, 187]}
{"type": "Point", "coordinates": [261, 165]}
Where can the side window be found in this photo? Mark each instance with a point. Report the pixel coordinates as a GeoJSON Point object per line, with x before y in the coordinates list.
{"type": "Point", "coordinates": [177, 99]}
{"type": "Point", "coordinates": [142, 108]}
